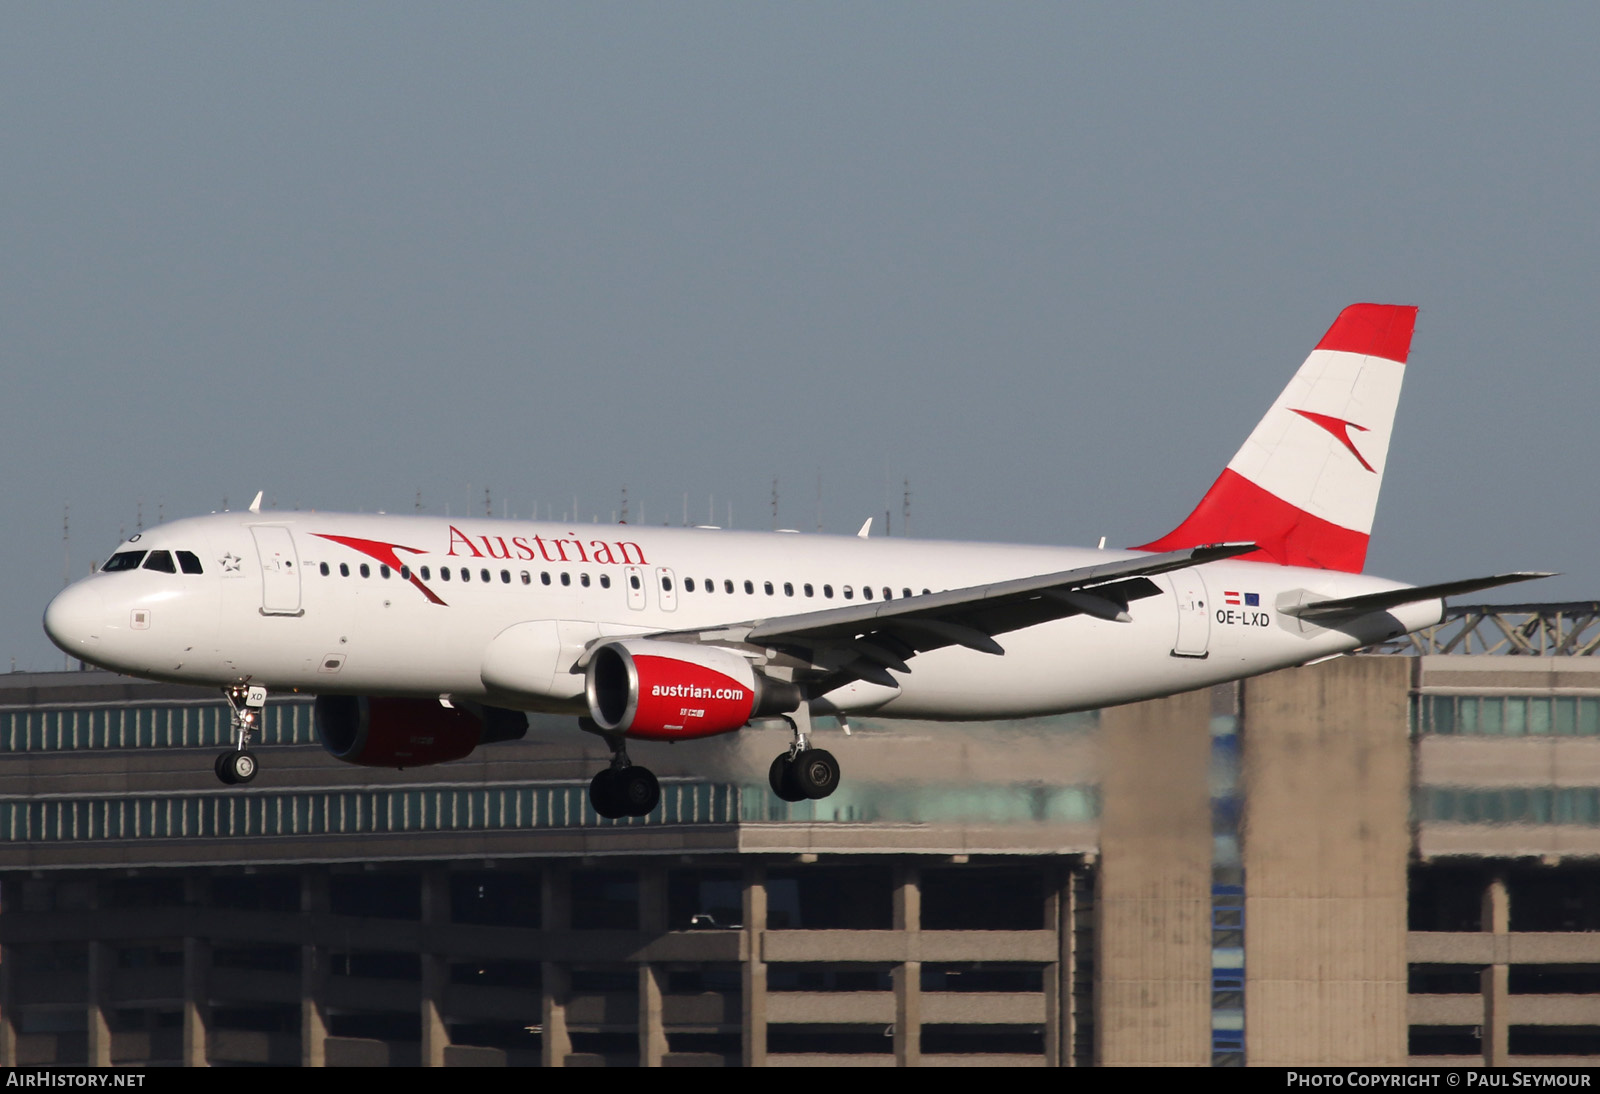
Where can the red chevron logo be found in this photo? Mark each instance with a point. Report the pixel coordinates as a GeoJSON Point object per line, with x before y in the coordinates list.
{"type": "Point", "coordinates": [1340, 429]}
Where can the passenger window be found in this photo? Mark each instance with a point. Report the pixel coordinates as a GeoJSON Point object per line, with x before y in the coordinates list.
{"type": "Point", "coordinates": [905, 592]}
{"type": "Point", "coordinates": [505, 577]}
{"type": "Point", "coordinates": [425, 575]}
{"type": "Point", "coordinates": [809, 590]}
{"type": "Point", "coordinates": [727, 585]}
{"type": "Point", "coordinates": [366, 571]}
{"type": "Point", "coordinates": [544, 578]}
{"type": "Point", "coordinates": [566, 578]}
{"type": "Point", "coordinates": [466, 574]}
{"type": "Point", "coordinates": [344, 569]}
{"type": "Point", "coordinates": [324, 569]}
{"type": "Point", "coordinates": [633, 580]}
{"type": "Point", "coordinates": [768, 586]}
{"type": "Point", "coordinates": [161, 562]}
{"type": "Point", "coordinates": [888, 593]}
{"type": "Point", "coordinates": [484, 574]}
{"type": "Point", "coordinates": [583, 579]}
{"type": "Point", "coordinates": [527, 579]}
{"type": "Point", "coordinates": [666, 583]}
{"type": "Point", "coordinates": [788, 588]}
{"type": "Point", "coordinates": [405, 573]}
{"type": "Point", "coordinates": [124, 560]}
{"type": "Point", "coordinates": [827, 592]}
{"type": "Point", "coordinates": [688, 584]}
{"type": "Point", "coordinates": [383, 570]}
{"type": "Point", "coordinates": [866, 592]}
{"type": "Point", "coordinates": [926, 593]}
{"type": "Point", "coordinates": [605, 581]}
{"type": "Point", "coordinates": [849, 593]}
{"type": "Point", "coordinates": [189, 562]}
{"type": "Point", "coordinates": [749, 588]}
{"type": "Point", "coordinates": [711, 586]}
{"type": "Point", "coordinates": [444, 573]}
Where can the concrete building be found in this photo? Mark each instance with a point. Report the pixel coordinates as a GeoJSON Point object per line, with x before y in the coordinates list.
{"type": "Point", "coordinates": [1374, 860]}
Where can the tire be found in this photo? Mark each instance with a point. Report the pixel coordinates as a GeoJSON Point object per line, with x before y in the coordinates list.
{"type": "Point", "coordinates": [242, 767]}
{"type": "Point", "coordinates": [780, 776]}
{"type": "Point", "coordinates": [603, 795]}
{"type": "Point", "coordinates": [636, 791]}
{"type": "Point", "coordinates": [815, 773]}
{"type": "Point", "coordinates": [224, 768]}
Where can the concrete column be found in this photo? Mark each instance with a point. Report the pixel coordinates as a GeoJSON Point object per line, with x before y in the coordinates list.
{"type": "Point", "coordinates": [1058, 974]}
{"type": "Point", "coordinates": [653, 924]}
{"type": "Point", "coordinates": [753, 986]}
{"type": "Point", "coordinates": [196, 1002]}
{"type": "Point", "coordinates": [556, 915]}
{"type": "Point", "coordinates": [100, 962]}
{"type": "Point", "coordinates": [1327, 799]}
{"type": "Point", "coordinates": [1153, 906]}
{"type": "Point", "coordinates": [652, 1033]}
{"type": "Point", "coordinates": [907, 975]}
{"type": "Point", "coordinates": [196, 981]}
{"type": "Point", "coordinates": [435, 969]}
{"type": "Point", "coordinates": [313, 970]}
{"type": "Point", "coordinates": [1496, 978]}
{"type": "Point", "coordinates": [8, 1023]}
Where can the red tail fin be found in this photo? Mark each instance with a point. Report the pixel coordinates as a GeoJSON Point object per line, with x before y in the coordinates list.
{"type": "Point", "coordinates": [1305, 484]}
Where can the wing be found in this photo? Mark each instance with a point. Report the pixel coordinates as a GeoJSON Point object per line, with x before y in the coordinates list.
{"type": "Point", "coordinates": [863, 641]}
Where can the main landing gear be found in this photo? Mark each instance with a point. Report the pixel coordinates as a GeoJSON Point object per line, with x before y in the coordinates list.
{"type": "Point", "coordinates": [624, 789]}
{"type": "Point", "coordinates": [803, 772]}
{"type": "Point", "coordinates": [238, 764]}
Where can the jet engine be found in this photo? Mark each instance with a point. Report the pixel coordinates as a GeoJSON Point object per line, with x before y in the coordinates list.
{"type": "Point", "coordinates": [386, 732]}
{"type": "Point", "coordinates": [673, 691]}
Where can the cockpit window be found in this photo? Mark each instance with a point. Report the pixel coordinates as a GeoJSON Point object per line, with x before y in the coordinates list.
{"type": "Point", "coordinates": [161, 561]}
{"type": "Point", "coordinates": [189, 562]}
{"type": "Point", "coordinates": [123, 560]}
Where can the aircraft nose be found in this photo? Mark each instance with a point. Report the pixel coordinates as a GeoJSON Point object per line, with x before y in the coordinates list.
{"type": "Point", "coordinates": [75, 619]}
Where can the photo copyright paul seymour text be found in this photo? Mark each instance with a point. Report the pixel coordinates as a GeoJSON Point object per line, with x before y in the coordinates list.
{"type": "Point", "coordinates": [1437, 1079]}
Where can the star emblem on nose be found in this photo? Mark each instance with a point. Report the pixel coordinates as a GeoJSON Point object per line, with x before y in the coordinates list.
{"type": "Point", "coordinates": [230, 562]}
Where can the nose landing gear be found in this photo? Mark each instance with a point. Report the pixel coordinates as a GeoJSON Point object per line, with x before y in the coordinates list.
{"type": "Point", "coordinates": [238, 764]}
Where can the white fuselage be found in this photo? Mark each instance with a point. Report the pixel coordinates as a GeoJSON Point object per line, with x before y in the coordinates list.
{"type": "Point", "coordinates": [279, 603]}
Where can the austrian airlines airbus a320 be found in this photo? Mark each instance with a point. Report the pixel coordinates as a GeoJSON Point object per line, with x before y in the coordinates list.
{"type": "Point", "coordinates": [424, 638]}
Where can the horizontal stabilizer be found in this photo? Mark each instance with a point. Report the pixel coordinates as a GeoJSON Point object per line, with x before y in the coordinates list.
{"type": "Point", "coordinates": [1393, 598]}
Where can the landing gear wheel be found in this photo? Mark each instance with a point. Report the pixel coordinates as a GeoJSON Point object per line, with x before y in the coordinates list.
{"type": "Point", "coordinates": [603, 795]}
{"type": "Point", "coordinates": [815, 773]}
{"type": "Point", "coordinates": [244, 767]}
{"type": "Point", "coordinates": [635, 790]}
{"type": "Point", "coordinates": [780, 776]}
{"type": "Point", "coordinates": [223, 767]}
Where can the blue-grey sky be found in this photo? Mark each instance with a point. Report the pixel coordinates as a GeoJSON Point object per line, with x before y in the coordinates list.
{"type": "Point", "coordinates": [1050, 262]}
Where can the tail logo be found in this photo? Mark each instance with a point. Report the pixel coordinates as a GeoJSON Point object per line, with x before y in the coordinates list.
{"type": "Point", "coordinates": [1340, 429]}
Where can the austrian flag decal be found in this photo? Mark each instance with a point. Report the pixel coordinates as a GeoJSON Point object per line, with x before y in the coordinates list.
{"type": "Point", "coordinates": [1248, 600]}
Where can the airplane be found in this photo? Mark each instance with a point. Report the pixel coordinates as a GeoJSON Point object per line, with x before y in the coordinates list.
{"type": "Point", "coordinates": [425, 637]}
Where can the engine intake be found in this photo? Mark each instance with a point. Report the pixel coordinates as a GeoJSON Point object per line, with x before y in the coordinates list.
{"type": "Point", "coordinates": [388, 732]}
{"type": "Point", "coordinates": [670, 691]}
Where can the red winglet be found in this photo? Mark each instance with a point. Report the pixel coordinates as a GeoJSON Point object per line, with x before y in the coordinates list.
{"type": "Point", "coordinates": [1374, 330]}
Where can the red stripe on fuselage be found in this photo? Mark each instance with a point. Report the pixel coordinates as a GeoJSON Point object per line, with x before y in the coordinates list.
{"type": "Point", "coordinates": [1373, 330]}
{"type": "Point", "coordinates": [1236, 510]}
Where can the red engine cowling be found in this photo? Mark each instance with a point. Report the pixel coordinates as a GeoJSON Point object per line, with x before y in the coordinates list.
{"type": "Point", "coordinates": [671, 691]}
{"type": "Point", "coordinates": [385, 732]}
